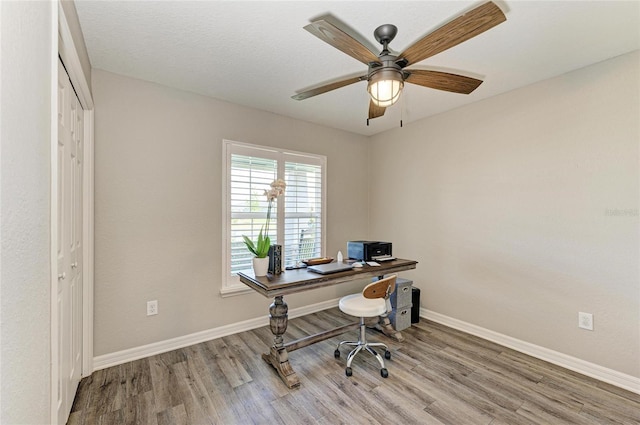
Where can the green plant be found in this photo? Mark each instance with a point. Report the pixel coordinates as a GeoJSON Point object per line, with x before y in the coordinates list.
{"type": "Point", "coordinates": [261, 248]}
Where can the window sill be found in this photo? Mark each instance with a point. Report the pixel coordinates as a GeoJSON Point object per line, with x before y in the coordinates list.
{"type": "Point", "coordinates": [233, 290]}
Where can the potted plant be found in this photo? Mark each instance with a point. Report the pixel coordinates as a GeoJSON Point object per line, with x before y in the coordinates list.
{"type": "Point", "coordinates": [260, 249]}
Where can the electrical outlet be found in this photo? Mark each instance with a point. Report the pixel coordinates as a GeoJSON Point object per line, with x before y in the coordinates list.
{"type": "Point", "coordinates": [152, 307]}
{"type": "Point", "coordinates": [585, 321]}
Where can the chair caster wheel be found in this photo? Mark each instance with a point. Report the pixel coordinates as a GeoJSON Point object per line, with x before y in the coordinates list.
{"type": "Point", "coordinates": [384, 373]}
{"type": "Point", "coordinates": [387, 354]}
{"type": "Point", "coordinates": [348, 371]}
{"type": "Point", "coordinates": [336, 354]}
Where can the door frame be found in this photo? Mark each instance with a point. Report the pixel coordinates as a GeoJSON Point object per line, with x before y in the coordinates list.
{"type": "Point", "coordinates": [64, 47]}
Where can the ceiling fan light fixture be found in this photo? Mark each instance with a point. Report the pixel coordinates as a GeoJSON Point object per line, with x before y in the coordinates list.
{"type": "Point", "coordinates": [385, 87]}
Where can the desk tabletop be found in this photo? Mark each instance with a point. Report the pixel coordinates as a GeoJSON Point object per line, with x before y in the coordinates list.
{"type": "Point", "coordinates": [292, 281]}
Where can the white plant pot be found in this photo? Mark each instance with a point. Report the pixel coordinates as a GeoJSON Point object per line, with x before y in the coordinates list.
{"type": "Point", "coordinates": [260, 266]}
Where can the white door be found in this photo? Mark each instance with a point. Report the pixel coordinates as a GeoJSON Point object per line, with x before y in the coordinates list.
{"type": "Point", "coordinates": [69, 244]}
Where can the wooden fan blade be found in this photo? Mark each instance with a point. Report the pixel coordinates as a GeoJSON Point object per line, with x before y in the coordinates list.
{"type": "Point", "coordinates": [341, 40]}
{"type": "Point", "coordinates": [472, 23]}
{"type": "Point", "coordinates": [327, 87]}
{"type": "Point", "coordinates": [375, 111]}
{"type": "Point", "coordinates": [443, 81]}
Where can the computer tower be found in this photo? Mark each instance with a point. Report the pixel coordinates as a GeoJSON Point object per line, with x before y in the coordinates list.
{"type": "Point", "coordinates": [415, 305]}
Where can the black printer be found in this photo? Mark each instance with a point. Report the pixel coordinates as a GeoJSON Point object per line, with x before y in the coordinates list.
{"type": "Point", "coordinates": [367, 250]}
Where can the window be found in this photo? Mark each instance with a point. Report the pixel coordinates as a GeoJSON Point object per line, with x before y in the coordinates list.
{"type": "Point", "coordinates": [297, 218]}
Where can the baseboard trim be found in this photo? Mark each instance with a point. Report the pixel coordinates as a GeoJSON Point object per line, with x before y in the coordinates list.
{"type": "Point", "coordinates": [610, 376]}
{"type": "Point", "coordinates": [113, 359]}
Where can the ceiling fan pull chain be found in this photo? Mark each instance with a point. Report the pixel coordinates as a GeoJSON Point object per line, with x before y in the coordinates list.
{"type": "Point", "coordinates": [402, 110]}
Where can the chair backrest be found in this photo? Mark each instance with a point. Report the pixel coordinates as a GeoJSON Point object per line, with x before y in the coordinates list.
{"type": "Point", "coordinates": [382, 288]}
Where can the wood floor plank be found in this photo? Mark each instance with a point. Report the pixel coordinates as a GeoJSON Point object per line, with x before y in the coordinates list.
{"type": "Point", "coordinates": [552, 414]}
{"type": "Point", "coordinates": [228, 362]}
{"type": "Point", "coordinates": [421, 335]}
{"type": "Point", "coordinates": [438, 376]}
{"type": "Point", "coordinates": [290, 412]}
{"type": "Point", "coordinates": [405, 410]}
{"type": "Point", "coordinates": [140, 409]}
{"type": "Point", "coordinates": [111, 417]}
{"type": "Point", "coordinates": [454, 403]}
{"type": "Point", "coordinates": [164, 381]}
{"type": "Point", "coordinates": [110, 394]}
{"type": "Point", "coordinates": [603, 414]}
{"type": "Point", "coordinates": [197, 408]}
{"type": "Point", "coordinates": [596, 404]}
{"type": "Point", "coordinates": [257, 405]}
{"type": "Point", "coordinates": [358, 395]}
{"type": "Point", "coordinates": [315, 407]}
{"type": "Point", "coordinates": [176, 415]}
{"type": "Point", "coordinates": [137, 377]}
{"type": "Point", "coordinates": [450, 413]}
{"type": "Point", "coordinates": [405, 382]}
{"type": "Point", "coordinates": [220, 395]}
{"type": "Point", "coordinates": [84, 416]}
{"type": "Point", "coordinates": [337, 409]}
{"type": "Point", "coordinates": [343, 406]}
{"type": "Point", "coordinates": [333, 317]}
{"type": "Point", "coordinates": [265, 381]}
{"type": "Point", "coordinates": [333, 415]}
{"type": "Point", "coordinates": [515, 390]}
{"type": "Point", "coordinates": [85, 393]}
{"type": "Point", "coordinates": [612, 389]}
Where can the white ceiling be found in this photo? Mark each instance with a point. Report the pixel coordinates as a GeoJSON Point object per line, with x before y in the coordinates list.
{"type": "Point", "coordinates": [257, 54]}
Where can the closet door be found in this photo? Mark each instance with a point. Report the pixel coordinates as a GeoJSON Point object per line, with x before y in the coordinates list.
{"type": "Point", "coordinates": [69, 244]}
{"type": "Point", "coordinates": [76, 248]}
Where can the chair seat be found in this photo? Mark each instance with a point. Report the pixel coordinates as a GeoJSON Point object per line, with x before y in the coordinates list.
{"type": "Point", "coordinates": [359, 306]}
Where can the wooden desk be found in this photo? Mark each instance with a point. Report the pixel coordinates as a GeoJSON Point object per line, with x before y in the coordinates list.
{"type": "Point", "coordinates": [292, 281]}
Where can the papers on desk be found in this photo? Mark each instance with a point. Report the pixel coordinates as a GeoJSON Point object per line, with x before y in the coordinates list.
{"type": "Point", "coordinates": [380, 258]}
{"type": "Point", "coordinates": [358, 265]}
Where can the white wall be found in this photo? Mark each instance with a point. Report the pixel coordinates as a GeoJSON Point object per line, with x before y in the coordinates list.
{"type": "Point", "coordinates": [510, 206]}
{"type": "Point", "coordinates": [25, 140]}
{"type": "Point", "coordinates": [158, 182]}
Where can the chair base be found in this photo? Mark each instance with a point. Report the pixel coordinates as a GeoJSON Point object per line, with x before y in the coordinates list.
{"type": "Point", "coordinates": [361, 345]}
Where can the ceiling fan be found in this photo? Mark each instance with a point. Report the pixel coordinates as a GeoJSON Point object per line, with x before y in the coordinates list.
{"type": "Point", "coordinates": [387, 74]}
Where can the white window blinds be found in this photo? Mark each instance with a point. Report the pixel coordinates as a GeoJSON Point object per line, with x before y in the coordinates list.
{"type": "Point", "coordinates": [249, 177]}
{"type": "Point", "coordinates": [303, 212]}
{"type": "Point", "coordinates": [297, 218]}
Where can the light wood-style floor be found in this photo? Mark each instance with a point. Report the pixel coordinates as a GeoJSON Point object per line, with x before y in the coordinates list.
{"type": "Point", "coordinates": [437, 376]}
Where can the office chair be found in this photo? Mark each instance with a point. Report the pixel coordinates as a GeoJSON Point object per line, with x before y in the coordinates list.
{"type": "Point", "coordinates": [372, 302]}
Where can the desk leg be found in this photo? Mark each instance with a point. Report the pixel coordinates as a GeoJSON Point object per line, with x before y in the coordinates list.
{"type": "Point", "coordinates": [384, 324]}
{"type": "Point", "coordinates": [278, 357]}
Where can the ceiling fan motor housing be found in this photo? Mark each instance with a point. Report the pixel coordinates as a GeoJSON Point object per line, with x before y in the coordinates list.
{"type": "Point", "coordinates": [387, 67]}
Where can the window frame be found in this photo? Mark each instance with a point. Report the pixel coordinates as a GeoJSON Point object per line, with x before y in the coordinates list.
{"type": "Point", "coordinates": [231, 284]}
